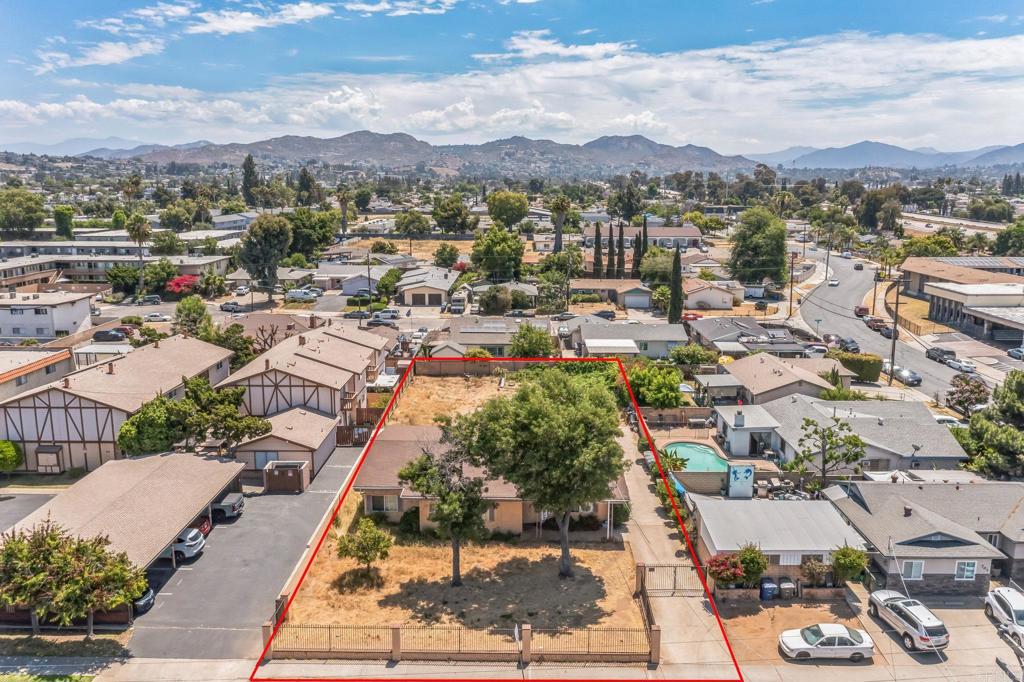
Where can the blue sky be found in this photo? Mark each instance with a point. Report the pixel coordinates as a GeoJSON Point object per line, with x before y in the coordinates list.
{"type": "Point", "coordinates": [739, 76]}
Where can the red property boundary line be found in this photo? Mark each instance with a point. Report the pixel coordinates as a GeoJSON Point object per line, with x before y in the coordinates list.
{"type": "Point", "coordinates": [365, 455]}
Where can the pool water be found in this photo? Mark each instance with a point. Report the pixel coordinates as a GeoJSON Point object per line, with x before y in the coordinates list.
{"type": "Point", "coordinates": [699, 457]}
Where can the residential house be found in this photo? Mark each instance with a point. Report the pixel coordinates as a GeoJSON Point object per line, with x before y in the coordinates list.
{"type": "Point", "coordinates": [74, 421]}
{"type": "Point", "coordinates": [789, 532]}
{"type": "Point", "coordinates": [492, 334]}
{"type": "Point", "coordinates": [286, 277]}
{"type": "Point", "coordinates": [44, 316]}
{"type": "Point", "coordinates": [397, 445]}
{"type": "Point", "coordinates": [477, 289]}
{"type": "Point", "coordinates": [425, 286]}
{"type": "Point", "coordinates": [601, 338]}
{"type": "Point", "coordinates": [26, 368]}
{"type": "Point", "coordinates": [761, 378]}
{"type": "Point", "coordinates": [625, 293]}
{"type": "Point", "coordinates": [544, 242]}
{"type": "Point", "coordinates": [685, 236]}
{"type": "Point", "coordinates": [699, 294]}
{"type": "Point", "coordinates": [296, 435]}
{"type": "Point", "coordinates": [738, 336]}
{"type": "Point", "coordinates": [947, 538]}
{"type": "Point", "coordinates": [351, 279]}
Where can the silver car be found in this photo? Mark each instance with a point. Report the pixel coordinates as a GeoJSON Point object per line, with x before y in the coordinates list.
{"type": "Point", "coordinates": [1005, 606]}
{"type": "Point", "coordinates": [916, 625]}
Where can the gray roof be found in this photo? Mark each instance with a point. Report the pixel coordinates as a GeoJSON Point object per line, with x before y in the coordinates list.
{"type": "Point", "coordinates": [917, 518]}
{"type": "Point", "coordinates": [754, 416]}
{"type": "Point", "coordinates": [432, 276]}
{"type": "Point", "coordinates": [717, 380]}
{"type": "Point", "coordinates": [984, 261]}
{"type": "Point", "coordinates": [471, 330]}
{"type": "Point", "coordinates": [894, 426]}
{"type": "Point", "coordinates": [528, 289]}
{"type": "Point", "coordinates": [635, 332]}
{"type": "Point", "coordinates": [350, 269]}
{"type": "Point", "coordinates": [774, 525]}
{"type": "Point", "coordinates": [727, 328]}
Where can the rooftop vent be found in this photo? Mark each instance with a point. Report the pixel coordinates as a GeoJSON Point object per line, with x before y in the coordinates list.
{"type": "Point", "coordinates": [907, 511]}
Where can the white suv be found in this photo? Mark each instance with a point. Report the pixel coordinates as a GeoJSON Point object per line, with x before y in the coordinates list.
{"type": "Point", "coordinates": [189, 544]}
{"type": "Point", "coordinates": [916, 625]}
{"type": "Point", "coordinates": [1005, 605]}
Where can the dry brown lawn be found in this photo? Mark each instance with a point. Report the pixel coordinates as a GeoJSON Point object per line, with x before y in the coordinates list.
{"type": "Point", "coordinates": [753, 629]}
{"type": "Point", "coordinates": [421, 248]}
{"type": "Point", "coordinates": [916, 310]}
{"type": "Point", "coordinates": [427, 397]}
{"type": "Point", "coordinates": [503, 584]}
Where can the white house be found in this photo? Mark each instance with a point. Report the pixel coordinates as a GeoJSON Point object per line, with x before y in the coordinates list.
{"type": "Point", "coordinates": [44, 316]}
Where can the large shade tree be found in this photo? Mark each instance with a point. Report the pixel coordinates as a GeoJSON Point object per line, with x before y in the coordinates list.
{"type": "Point", "coordinates": [263, 247]}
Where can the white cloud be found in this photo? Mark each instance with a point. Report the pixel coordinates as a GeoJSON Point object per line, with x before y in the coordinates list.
{"type": "Point", "coordinates": [400, 8]}
{"type": "Point", "coordinates": [643, 122]}
{"type": "Point", "coordinates": [462, 116]}
{"type": "Point", "coordinates": [994, 18]}
{"type": "Point", "coordinates": [585, 31]}
{"type": "Point", "coordinates": [229, 21]}
{"type": "Point", "coordinates": [537, 44]}
{"type": "Point", "coordinates": [98, 54]}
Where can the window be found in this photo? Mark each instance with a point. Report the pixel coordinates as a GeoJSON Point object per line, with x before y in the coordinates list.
{"type": "Point", "coordinates": [913, 570]}
{"type": "Point", "coordinates": [50, 369]}
{"type": "Point", "coordinates": [642, 345]}
{"type": "Point", "coordinates": [382, 503]}
{"type": "Point", "coordinates": [16, 330]}
{"type": "Point", "coordinates": [41, 331]}
{"type": "Point", "coordinates": [965, 570]}
{"type": "Point", "coordinates": [490, 514]}
{"type": "Point", "coordinates": [41, 311]}
{"type": "Point", "coordinates": [17, 311]}
{"type": "Point", "coordinates": [587, 508]}
{"type": "Point", "coordinates": [20, 381]}
{"type": "Point", "coordinates": [774, 559]}
{"type": "Point", "coordinates": [220, 365]}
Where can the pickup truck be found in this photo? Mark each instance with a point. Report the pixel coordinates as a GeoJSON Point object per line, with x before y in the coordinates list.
{"type": "Point", "coordinates": [228, 507]}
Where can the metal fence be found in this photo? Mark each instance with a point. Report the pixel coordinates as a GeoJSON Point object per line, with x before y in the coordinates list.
{"type": "Point", "coordinates": [332, 639]}
{"type": "Point", "coordinates": [441, 640]}
{"type": "Point", "coordinates": [627, 644]}
{"type": "Point", "coordinates": [658, 580]}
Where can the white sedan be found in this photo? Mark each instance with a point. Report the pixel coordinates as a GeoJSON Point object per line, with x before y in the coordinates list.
{"type": "Point", "coordinates": [157, 317]}
{"type": "Point", "coordinates": [827, 640]}
{"type": "Point", "coordinates": [833, 282]}
{"type": "Point", "coordinates": [962, 365]}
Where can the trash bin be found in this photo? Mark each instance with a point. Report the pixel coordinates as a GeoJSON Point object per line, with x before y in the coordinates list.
{"type": "Point", "coordinates": [769, 589]}
{"type": "Point", "coordinates": [787, 588]}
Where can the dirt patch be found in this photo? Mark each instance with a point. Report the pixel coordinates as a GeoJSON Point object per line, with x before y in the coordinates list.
{"type": "Point", "coordinates": [503, 584]}
{"type": "Point", "coordinates": [421, 248]}
{"type": "Point", "coordinates": [427, 397]}
{"type": "Point", "coordinates": [914, 314]}
{"type": "Point", "coordinates": [753, 629]}
{"type": "Point", "coordinates": [102, 644]}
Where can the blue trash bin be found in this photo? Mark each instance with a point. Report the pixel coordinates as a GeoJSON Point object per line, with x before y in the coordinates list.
{"type": "Point", "coordinates": [769, 589]}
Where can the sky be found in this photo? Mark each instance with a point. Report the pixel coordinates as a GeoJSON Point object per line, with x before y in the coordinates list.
{"type": "Point", "coordinates": [740, 76]}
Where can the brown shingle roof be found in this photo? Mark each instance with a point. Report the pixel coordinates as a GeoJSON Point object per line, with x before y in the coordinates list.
{"type": "Point", "coordinates": [305, 428]}
{"type": "Point", "coordinates": [763, 372]}
{"type": "Point", "coordinates": [935, 268]}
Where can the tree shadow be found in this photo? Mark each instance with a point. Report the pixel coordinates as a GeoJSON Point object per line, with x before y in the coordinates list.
{"type": "Point", "coordinates": [70, 646]}
{"type": "Point", "coordinates": [356, 579]}
{"type": "Point", "coordinates": [515, 591]}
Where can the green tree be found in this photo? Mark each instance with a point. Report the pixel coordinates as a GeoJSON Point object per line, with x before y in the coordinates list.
{"type": "Point", "coordinates": [609, 272]}
{"type": "Point", "coordinates": [219, 414]}
{"type": "Point", "coordinates": [995, 438]}
{"type": "Point", "coordinates": [250, 180]}
{"type": "Point", "coordinates": [234, 339]}
{"type": "Point", "coordinates": [758, 248]}
{"type": "Point", "coordinates": [211, 285]}
{"type": "Point", "coordinates": [367, 546]}
{"type": "Point", "coordinates": [495, 301]}
{"type": "Point", "coordinates": [656, 265]}
{"type": "Point", "coordinates": [531, 342]}
{"type": "Point", "coordinates": [554, 440]}
{"type": "Point", "coordinates": [830, 446]}
{"type": "Point", "coordinates": [118, 219]}
{"type": "Point", "coordinates": [693, 354]}
{"type": "Point", "coordinates": [11, 457]}
{"type": "Point", "coordinates": [848, 563]}
{"type": "Point", "coordinates": [457, 503]}
{"type": "Point", "coordinates": [139, 231]}
{"type": "Point", "coordinates": [446, 255]}
{"type": "Point", "coordinates": [754, 563]}
{"type": "Point", "coordinates": [932, 245]}
{"type": "Point", "coordinates": [362, 198]}
{"type": "Point", "coordinates": [344, 198]}
{"type": "Point", "coordinates": [386, 284]}
{"type": "Point", "coordinates": [157, 426]}
{"type": "Point", "coordinates": [655, 385]}
{"type": "Point", "coordinates": [507, 208]}
{"type": "Point", "coordinates": [412, 224]}
{"type": "Point", "coordinates": [1010, 240]}
{"type": "Point", "coordinates": [559, 206]}
{"type": "Point", "coordinates": [21, 213]}
{"type": "Point", "coordinates": [166, 244]}
{"type": "Point", "coordinates": [63, 218]}
{"type": "Point", "coordinates": [176, 218]}
{"type": "Point", "coordinates": [311, 230]}
{"type": "Point", "coordinates": [598, 261]}
{"type": "Point", "coordinates": [191, 316]}
{"type": "Point", "coordinates": [308, 192]}
{"type": "Point", "coordinates": [157, 275]}
{"type": "Point", "coordinates": [634, 272]}
{"type": "Point", "coordinates": [92, 578]}
{"type": "Point", "coordinates": [451, 215]}
{"type": "Point", "coordinates": [661, 297]}
{"type": "Point", "coordinates": [477, 353]}
{"type": "Point", "coordinates": [675, 286]}
{"type": "Point", "coordinates": [234, 205]}
{"type": "Point", "coordinates": [498, 254]}
{"type": "Point", "coordinates": [627, 202]}
{"type": "Point", "coordinates": [124, 278]}
{"type": "Point", "coordinates": [263, 246]}
{"type": "Point", "coordinates": [620, 255]}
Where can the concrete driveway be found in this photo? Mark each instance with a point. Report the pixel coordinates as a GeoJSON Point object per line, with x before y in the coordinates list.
{"type": "Point", "coordinates": [212, 608]}
{"type": "Point", "coordinates": [15, 507]}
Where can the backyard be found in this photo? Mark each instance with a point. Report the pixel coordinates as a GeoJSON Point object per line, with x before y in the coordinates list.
{"type": "Point", "coordinates": [421, 248]}
{"type": "Point", "coordinates": [425, 397]}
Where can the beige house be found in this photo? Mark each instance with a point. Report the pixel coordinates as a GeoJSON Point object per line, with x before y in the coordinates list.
{"type": "Point", "coordinates": [74, 421]}
{"type": "Point", "coordinates": [699, 294]}
{"type": "Point", "coordinates": [397, 445]}
{"type": "Point", "coordinates": [23, 369]}
{"type": "Point", "coordinates": [296, 435]}
{"type": "Point", "coordinates": [763, 378]}
{"type": "Point", "coordinates": [626, 293]}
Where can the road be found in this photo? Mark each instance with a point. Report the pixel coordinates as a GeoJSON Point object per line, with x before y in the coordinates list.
{"type": "Point", "coordinates": [834, 307]}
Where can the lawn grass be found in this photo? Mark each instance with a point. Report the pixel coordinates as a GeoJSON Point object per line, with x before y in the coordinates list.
{"type": "Point", "coordinates": [61, 480]}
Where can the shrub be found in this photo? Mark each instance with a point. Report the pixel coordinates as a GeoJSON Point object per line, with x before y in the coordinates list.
{"type": "Point", "coordinates": [379, 519]}
{"type": "Point", "coordinates": [867, 366]}
{"type": "Point", "coordinates": [754, 563]}
{"type": "Point", "coordinates": [620, 514]}
{"type": "Point", "coordinates": [503, 536]}
{"type": "Point", "coordinates": [585, 298]}
{"type": "Point", "coordinates": [814, 571]}
{"type": "Point", "coordinates": [725, 569]}
{"type": "Point", "coordinates": [132, 319]}
{"type": "Point", "coordinates": [477, 353]}
{"type": "Point", "coordinates": [848, 563]}
{"type": "Point", "coordinates": [11, 457]}
{"type": "Point", "coordinates": [409, 524]}
{"type": "Point", "coordinates": [368, 545]}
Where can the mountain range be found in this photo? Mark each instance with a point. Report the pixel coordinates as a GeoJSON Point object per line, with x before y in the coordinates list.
{"type": "Point", "coordinates": [522, 156]}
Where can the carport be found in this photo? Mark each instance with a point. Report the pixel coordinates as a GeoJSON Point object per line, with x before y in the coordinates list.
{"type": "Point", "coordinates": [140, 504]}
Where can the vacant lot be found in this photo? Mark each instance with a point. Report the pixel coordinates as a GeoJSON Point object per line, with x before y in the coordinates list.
{"type": "Point", "coordinates": [421, 248]}
{"type": "Point", "coordinates": [427, 397]}
{"type": "Point", "coordinates": [503, 584]}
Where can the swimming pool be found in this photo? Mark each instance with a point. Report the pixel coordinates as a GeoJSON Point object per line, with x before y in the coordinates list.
{"type": "Point", "coordinates": [699, 457]}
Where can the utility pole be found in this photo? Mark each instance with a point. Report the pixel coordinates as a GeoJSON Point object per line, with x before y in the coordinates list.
{"type": "Point", "coordinates": [792, 265]}
{"type": "Point", "coordinates": [874, 293]}
{"type": "Point", "coordinates": [805, 241]}
{"type": "Point", "coordinates": [895, 329]}
{"type": "Point", "coordinates": [828, 247]}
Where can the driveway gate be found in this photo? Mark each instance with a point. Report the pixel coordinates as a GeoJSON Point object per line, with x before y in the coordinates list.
{"type": "Point", "coordinates": [671, 580]}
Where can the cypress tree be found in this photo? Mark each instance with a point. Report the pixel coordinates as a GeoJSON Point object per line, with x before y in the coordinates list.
{"type": "Point", "coordinates": [610, 270]}
{"type": "Point", "coordinates": [675, 301]}
{"type": "Point", "coordinates": [634, 272]}
{"type": "Point", "coordinates": [598, 263]}
{"type": "Point", "coordinates": [620, 256]}
{"type": "Point", "coordinates": [643, 246]}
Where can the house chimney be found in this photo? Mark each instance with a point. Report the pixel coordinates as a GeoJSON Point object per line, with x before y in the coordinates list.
{"type": "Point", "coordinates": [110, 368]}
{"type": "Point", "coordinates": [907, 511]}
{"type": "Point", "coordinates": [67, 382]}
{"type": "Point", "coordinates": [266, 363]}
{"type": "Point", "coordinates": [302, 340]}
{"type": "Point", "coordinates": [738, 421]}
{"type": "Point", "coordinates": [312, 321]}
{"type": "Point", "coordinates": [329, 321]}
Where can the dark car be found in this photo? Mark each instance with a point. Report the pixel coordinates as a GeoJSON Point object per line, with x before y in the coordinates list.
{"type": "Point", "coordinates": [761, 305]}
{"type": "Point", "coordinates": [357, 315]}
{"type": "Point", "coordinates": [939, 354]}
{"type": "Point", "coordinates": [908, 377]}
{"type": "Point", "coordinates": [519, 313]}
{"type": "Point", "coordinates": [108, 335]}
{"type": "Point", "coordinates": [145, 602]}
{"type": "Point", "coordinates": [605, 314]}
{"type": "Point", "coordinates": [888, 332]}
{"type": "Point", "coordinates": [231, 307]}
{"type": "Point", "coordinates": [850, 345]}
{"type": "Point", "coordinates": [562, 317]}
{"type": "Point", "coordinates": [382, 323]}
{"type": "Point", "coordinates": [858, 266]}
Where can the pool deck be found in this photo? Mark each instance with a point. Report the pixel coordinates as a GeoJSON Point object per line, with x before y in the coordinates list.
{"type": "Point", "coordinates": [665, 436]}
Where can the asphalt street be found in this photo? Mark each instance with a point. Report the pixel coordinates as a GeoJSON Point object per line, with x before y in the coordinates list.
{"type": "Point", "coordinates": [833, 306]}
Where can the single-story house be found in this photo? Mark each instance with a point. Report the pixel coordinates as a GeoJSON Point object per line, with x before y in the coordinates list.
{"type": "Point", "coordinates": [293, 277]}
{"type": "Point", "coordinates": [919, 271]}
{"type": "Point", "coordinates": [599, 338]}
{"type": "Point", "coordinates": [699, 294]}
{"type": "Point", "coordinates": [397, 445]}
{"type": "Point", "coordinates": [947, 538]}
{"type": "Point", "coordinates": [492, 334]}
{"type": "Point", "coordinates": [425, 286]}
{"type": "Point", "coordinates": [626, 293]}
{"type": "Point", "coordinates": [477, 289]}
{"type": "Point", "coordinates": [738, 336]}
{"type": "Point", "coordinates": [762, 378]}
{"type": "Point", "coordinates": [349, 278]}
{"type": "Point", "coordinates": [789, 532]}
{"type": "Point", "coordinates": [296, 435]}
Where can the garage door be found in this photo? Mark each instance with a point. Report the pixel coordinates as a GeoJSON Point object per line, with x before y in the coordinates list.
{"type": "Point", "coordinates": [638, 301]}
{"type": "Point", "coordinates": [435, 299]}
{"type": "Point", "coordinates": [419, 299]}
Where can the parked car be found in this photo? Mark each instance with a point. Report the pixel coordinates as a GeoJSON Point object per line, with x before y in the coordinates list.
{"type": "Point", "coordinates": [109, 335]}
{"type": "Point", "coordinates": [860, 310]}
{"type": "Point", "coordinates": [203, 525]}
{"type": "Point", "coordinates": [887, 331]}
{"type": "Point", "coordinates": [1005, 606]}
{"type": "Point", "coordinates": [690, 317]}
{"type": "Point", "coordinates": [827, 640]}
{"type": "Point", "coordinates": [833, 282]}
{"type": "Point", "coordinates": [1016, 353]}
{"type": "Point", "coordinates": [188, 545]}
{"type": "Point", "coordinates": [300, 295]}
{"type": "Point", "coordinates": [888, 367]}
{"type": "Point", "coordinates": [915, 624]}
{"type": "Point", "coordinates": [358, 315]}
{"type": "Point", "coordinates": [761, 305]}
{"type": "Point", "coordinates": [145, 602]}
{"type": "Point", "coordinates": [908, 377]}
{"type": "Point", "coordinates": [939, 354]}
{"type": "Point", "coordinates": [242, 291]}
{"type": "Point", "coordinates": [125, 329]}
{"type": "Point", "coordinates": [858, 266]}
{"type": "Point", "coordinates": [316, 291]}
{"type": "Point", "coordinates": [94, 311]}
{"type": "Point", "coordinates": [152, 299]}
{"type": "Point", "coordinates": [518, 313]}
{"type": "Point", "coordinates": [962, 365]}
{"type": "Point", "coordinates": [228, 507]}
{"type": "Point", "coordinates": [387, 314]}
{"type": "Point", "coordinates": [849, 344]}
{"type": "Point", "coordinates": [877, 324]}
{"type": "Point", "coordinates": [830, 338]}
{"type": "Point", "coordinates": [846, 254]}
{"type": "Point", "coordinates": [563, 317]}
{"type": "Point", "coordinates": [815, 350]}
{"type": "Point", "coordinates": [381, 323]}
{"type": "Point", "coordinates": [946, 420]}
{"type": "Point", "coordinates": [605, 314]}
{"type": "Point", "coordinates": [157, 317]}
{"type": "Point", "coordinates": [231, 307]}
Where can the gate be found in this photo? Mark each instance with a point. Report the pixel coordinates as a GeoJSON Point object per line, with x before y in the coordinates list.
{"type": "Point", "coordinates": [353, 435]}
{"type": "Point", "coordinates": [671, 580]}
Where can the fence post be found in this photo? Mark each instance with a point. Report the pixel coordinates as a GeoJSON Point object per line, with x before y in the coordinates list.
{"type": "Point", "coordinates": [267, 630]}
{"type": "Point", "coordinates": [527, 635]}
{"type": "Point", "coordinates": [640, 568]}
{"type": "Point", "coordinates": [396, 642]}
{"type": "Point", "coordinates": [655, 636]}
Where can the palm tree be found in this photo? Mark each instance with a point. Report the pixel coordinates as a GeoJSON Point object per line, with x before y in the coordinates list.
{"type": "Point", "coordinates": [344, 197]}
{"type": "Point", "coordinates": [139, 232]}
{"type": "Point", "coordinates": [130, 188]}
{"type": "Point", "coordinates": [560, 206]}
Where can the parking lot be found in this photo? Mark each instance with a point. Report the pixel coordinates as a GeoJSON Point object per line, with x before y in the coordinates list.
{"type": "Point", "coordinates": [213, 607]}
{"type": "Point", "coordinates": [15, 507]}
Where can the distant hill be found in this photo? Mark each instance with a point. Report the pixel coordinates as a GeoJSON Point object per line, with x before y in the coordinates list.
{"type": "Point", "coordinates": [869, 153]}
{"type": "Point", "coordinates": [70, 147]}
{"type": "Point", "coordinates": [1000, 156]}
{"type": "Point", "coordinates": [108, 153]}
{"type": "Point", "coordinates": [784, 157]}
{"type": "Point", "coordinates": [513, 156]}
